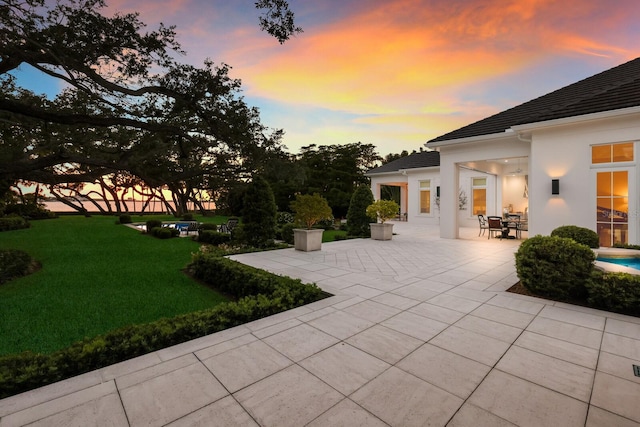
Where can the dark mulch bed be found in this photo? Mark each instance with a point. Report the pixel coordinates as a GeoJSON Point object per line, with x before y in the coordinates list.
{"type": "Point", "coordinates": [518, 288]}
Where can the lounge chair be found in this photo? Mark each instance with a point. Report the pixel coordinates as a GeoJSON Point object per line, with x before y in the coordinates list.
{"type": "Point", "coordinates": [229, 226]}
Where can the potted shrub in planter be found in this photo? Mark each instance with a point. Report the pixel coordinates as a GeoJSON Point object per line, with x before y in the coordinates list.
{"type": "Point", "coordinates": [383, 210]}
{"type": "Point", "coordinates": [309, 210]}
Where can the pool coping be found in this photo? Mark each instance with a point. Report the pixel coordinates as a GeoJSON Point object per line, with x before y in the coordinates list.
{"type": "Point", "coordinates": [616, 252]}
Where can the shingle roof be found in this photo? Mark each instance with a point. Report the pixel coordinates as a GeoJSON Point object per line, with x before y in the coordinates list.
{"type": "Point", "coordinates": [423, 159]}
{"type": "Point", "coordinates": [613, 89]}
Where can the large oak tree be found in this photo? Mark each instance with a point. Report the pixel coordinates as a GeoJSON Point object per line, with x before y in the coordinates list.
{"type": "Point", "coordinates": [129, 106]}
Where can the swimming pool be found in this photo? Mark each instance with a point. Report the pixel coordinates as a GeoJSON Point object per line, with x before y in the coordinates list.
{"type": "Point", "coordinates": [632, 262]}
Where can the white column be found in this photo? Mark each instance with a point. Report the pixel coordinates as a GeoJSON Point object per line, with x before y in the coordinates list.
{"type": "Point", "coordinates": [450, 177]}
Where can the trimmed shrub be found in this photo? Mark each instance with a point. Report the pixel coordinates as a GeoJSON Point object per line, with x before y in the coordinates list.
{"type": "Point", "coordinates": [207, 226]}
{"type": "Point", "coordinates": [13, 223]}
{"type": "Point", "coordinates": [153, 223]}
{"type": "Point", "coordinates": [164, 232]}
{"type": "Point", "coordinates": [241, 280]}
{"type": "Point", "coordinates": [259, 215]}
{"type": "Point", "coordinates": [13, 263]}
{"type": "Point", "coordinates": [582, 235]}
{"type": "Point", "coordinates": [264, 294]}
{"type": "Point", "coordinates": [555, 267]}
{"type": "Point", "coordinates": [326, 224]}
{"type": "Point", "coordinates": [124, 219]}
{"type": "Point", "coordinates": [357, 219]}
{"type": "Point", "coordinates": [187, 217]}
{"type": "Point", "coordinates": [286, 233]}
{"type": "Point", "coordinates": [618, 292]}
{"type": "Point", "coordinates": [212, 237]}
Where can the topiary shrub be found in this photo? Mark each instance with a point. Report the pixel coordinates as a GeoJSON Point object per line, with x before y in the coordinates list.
{"type": "Point", "coordinates": [13, 263]}
{"type": "Point", "coordinates": [357, 219]}
{"type": "Point", "coordinates": [618, 292]}
{"type": "Point", "coordinates": [124, 219]}
{"type": "Point", "coordinates": [187, 217]}
{"type": "Point", "coordinates": [153, 223]}
{"type": "Point", "coordinates": [286, 233]}
{"type": "Point", "coordinates": [212, 237]}
{"type": "Point", "coordinates": [555, 267]}
{"type": "Point", "coordinates": [259, 214]}
{"type": "Point", "coordinates": [582, 235]}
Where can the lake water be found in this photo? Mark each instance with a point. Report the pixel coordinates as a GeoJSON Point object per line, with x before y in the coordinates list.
{"type": "Point", "coordinates": [133, 206]}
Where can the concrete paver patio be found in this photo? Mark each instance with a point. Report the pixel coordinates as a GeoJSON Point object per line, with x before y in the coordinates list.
{"type": "Point", "coordinates": [420, 331]}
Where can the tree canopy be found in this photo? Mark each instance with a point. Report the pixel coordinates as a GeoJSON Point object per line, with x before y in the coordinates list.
{"type": "Point", "coordinates": [128, 104]}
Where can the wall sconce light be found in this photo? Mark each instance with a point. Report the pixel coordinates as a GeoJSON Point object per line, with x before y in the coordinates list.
{"type": "Point", "coordinates": [438, 191]}
{"type": "Point", "coordinates": [555, 187]}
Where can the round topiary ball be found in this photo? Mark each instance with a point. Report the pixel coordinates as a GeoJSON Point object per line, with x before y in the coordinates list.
{"type": "Point", "coordinates": [555, 267]}
{"type": "Point", "coordinates": [582, 235]}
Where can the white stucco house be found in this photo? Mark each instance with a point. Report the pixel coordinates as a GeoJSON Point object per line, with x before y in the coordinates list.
{"type": "Point", "coordinates": [568, 157]}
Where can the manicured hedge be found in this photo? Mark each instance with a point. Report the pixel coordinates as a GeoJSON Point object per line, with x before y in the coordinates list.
{"type": "Point", "coordinates": [13, 223]}
{"type": "Point", "coordinates": [213, 237]}
{"type": "Point", "coordinates": [260, 294]}
{"type": "Point", "coordinates": [617, 292]}
{"type": "Point", "coordinates": [164, 232]}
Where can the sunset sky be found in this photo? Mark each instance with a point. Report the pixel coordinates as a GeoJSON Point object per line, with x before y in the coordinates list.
{"type": "Point", "coordinates": [396, 73]}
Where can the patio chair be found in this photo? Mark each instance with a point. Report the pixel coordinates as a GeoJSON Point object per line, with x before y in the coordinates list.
{"type": "Point", "coordinates": [495, 226]}
{"type": "Point", "coordinates": [514, 222]}
{"type": "Point", "coordinates": [483, 224]}
{"type": "Point", "coordinates": [229, 226]}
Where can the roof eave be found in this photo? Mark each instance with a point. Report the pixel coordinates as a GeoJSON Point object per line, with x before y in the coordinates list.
{"type": "Point", "coordinates": [402, 171]}
{"type": "Point", "coordinates": [508, 133]}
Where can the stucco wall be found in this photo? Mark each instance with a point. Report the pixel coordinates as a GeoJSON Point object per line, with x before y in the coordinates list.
{"type": "Point", "coordinates": [564, 153]}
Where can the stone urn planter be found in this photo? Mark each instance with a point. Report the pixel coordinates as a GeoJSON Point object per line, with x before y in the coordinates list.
{"type": "Point", "coordinates": [381, 231]}
{"type": "Point", "coordinates": [383, 210]}
{"type": "Point", "coordinates": [307, 240]}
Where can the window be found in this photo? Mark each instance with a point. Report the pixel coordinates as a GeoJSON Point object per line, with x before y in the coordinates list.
{"type": "Point", "coordinates": [479, 192]}
{"type": "Point", "coordinates": [425, 197]}
{"type": "Point", "coordinates": [612, 153]}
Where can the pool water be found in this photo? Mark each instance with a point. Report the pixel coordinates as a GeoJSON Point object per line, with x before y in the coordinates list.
{"type": "Point", "coordinates": [632, 262]}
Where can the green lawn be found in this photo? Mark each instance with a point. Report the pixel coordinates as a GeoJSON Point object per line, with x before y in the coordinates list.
{"type": "Point", "coordinates": [330, 235]}
{"type": "Point", "coordinates": [95, 276]}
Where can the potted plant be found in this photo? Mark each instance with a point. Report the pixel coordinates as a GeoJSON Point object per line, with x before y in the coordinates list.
{"type": "Point", "coordinates": [309, 210]}
{"type": "Point", "coordinates": [383, 210]}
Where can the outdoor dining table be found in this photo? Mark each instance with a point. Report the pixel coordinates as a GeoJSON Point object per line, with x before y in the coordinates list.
{"type": "Point", "coordinates": [515, 224]}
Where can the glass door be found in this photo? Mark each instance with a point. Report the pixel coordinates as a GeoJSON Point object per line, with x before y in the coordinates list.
{"type": "Point", "coordinates": [612, 208]}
